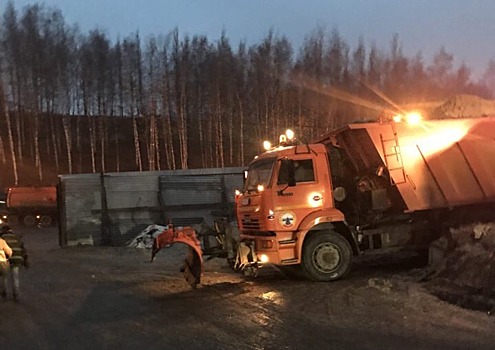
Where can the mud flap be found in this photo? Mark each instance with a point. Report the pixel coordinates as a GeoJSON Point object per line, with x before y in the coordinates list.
{"type": "Point", "coordinates": [193, 264]}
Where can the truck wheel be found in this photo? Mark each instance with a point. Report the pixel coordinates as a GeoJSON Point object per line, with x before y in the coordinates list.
{"type": "Point", "coordinates": [326, 257]}
{"type": "Point", "coordinates": [45, 220]}
{"type": "Point", "coordinates": [29, 220]}
{"type": "Point", "coordinates": [12, 219]}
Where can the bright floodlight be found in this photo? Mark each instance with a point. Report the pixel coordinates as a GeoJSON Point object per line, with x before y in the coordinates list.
{"type": "Point", "coordinates": [397, 118]}
{"type": "Point", "coordinates": [267, 145]}
{"type": "Point", "coordinates": [413, 118]}
{"type": "Point", "coordinates": [290, 134]}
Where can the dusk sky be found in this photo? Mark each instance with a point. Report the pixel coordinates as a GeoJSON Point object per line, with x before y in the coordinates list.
{"type": "Point", "coordinates": [465, 28]}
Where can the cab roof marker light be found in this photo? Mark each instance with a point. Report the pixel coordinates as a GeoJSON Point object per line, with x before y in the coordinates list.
{"type": "Point", "coordinates": [289, 134]}
{"type": "Point", "coordinates": [267, 145]}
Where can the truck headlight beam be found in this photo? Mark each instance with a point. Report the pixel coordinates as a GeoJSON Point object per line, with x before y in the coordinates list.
{"type": "Point", "coordinates": [263, 258]}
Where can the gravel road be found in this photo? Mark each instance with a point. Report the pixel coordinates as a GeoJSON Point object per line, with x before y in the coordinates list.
{"type": "Point", "coordinates": [113, 298]}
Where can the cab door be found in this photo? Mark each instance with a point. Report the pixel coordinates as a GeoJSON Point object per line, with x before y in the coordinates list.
{"type": "Point", "coordinates": [306, 195]}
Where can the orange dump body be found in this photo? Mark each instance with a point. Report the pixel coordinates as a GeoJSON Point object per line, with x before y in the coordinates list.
{"type": "Point", "coordinates": [32, 197]}
{"type": "Point", "coordinates": [433, 164]}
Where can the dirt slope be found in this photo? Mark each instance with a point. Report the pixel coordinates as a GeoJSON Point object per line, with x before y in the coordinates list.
{"type": "Point", "coordinates": [462, 266]}
{"type": "Point", "coordinates": [463, 106]}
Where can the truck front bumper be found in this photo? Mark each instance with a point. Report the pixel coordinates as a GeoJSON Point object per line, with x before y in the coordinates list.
{"type": "Point", "coordinates": [271, 249]}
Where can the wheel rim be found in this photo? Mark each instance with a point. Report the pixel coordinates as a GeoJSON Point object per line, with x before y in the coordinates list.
{"type": "Point", "coordinates": [45, 220]}
{"type": "Point", "coordinates": [326, 257]}
{"type": "Point", "coordinates": [29, 220]}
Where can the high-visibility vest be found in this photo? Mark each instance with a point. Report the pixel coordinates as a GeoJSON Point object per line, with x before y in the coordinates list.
{"type": "Point", "coordinates": [18, 250]}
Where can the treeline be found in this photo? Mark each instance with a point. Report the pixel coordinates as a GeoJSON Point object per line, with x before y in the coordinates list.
{"type": "Point", "coordinates": [78, 102]}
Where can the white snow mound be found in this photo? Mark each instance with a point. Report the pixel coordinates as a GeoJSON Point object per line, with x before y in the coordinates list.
{"type": "Point", "coordinates": [145, 238]}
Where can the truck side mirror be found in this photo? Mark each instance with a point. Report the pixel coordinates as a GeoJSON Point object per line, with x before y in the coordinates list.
{"type": "Point", "coordinates": [291, 171]}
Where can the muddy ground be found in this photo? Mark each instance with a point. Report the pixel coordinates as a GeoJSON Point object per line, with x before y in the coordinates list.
{"type": "Point", "coordinates": [111, 297]}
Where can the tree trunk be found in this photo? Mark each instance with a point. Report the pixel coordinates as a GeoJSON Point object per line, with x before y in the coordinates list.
{"type": "Point", "coordinates": [92, 141]}
{"type": "Point", "coordinates": [9, 131]}
{"type": "Point", "coordinates": [37, 147]}
{"type": "Point", "coordinates": [241, 131]}
{"type": "Point", "coordinates": [137, 148]}
{"type": "Point", "coordinates": [2, 151]}
{"type": "Point", "coordinates": [103, 136]}
{"type": "Point", "coordinates": [117, 145]}
{"type": "Point", "coordinates": [68, 139]}
{"type": "Point", "coordinates": [53, 132]}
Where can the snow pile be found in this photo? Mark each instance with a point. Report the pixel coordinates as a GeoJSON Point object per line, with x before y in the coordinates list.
{"type": "Point", "coordinates": [146, 237]}
{"type": "Point", "coordinates": [466, 257]}
{"type": "Point", "coordinates": [466, 106]}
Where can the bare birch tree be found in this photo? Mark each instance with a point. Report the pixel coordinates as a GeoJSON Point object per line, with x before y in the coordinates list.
{"type": "Point", "coordinates": [180, 57]}
{"type": "Point", "coordinates": [68, 139]}
{"type": "Point", "coordinates": [9, 132]}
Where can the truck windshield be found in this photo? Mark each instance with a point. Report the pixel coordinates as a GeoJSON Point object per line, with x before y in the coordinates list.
{"type": "Point", "coordinates": [259, 173]}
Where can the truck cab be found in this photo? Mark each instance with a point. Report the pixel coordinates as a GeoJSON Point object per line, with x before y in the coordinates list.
{"type": "Point", "coordinates": [287, 216]}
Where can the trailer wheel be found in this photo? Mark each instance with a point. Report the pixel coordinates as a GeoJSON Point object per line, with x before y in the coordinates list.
{"type": "Point", "coordinates": [12, 219]}
{"type": "Point", "coordinates": [29, 220]}
{"type": "Point", "coordinates": [45, 220]}
{"type": "Point", "coordinates": [327, 256]}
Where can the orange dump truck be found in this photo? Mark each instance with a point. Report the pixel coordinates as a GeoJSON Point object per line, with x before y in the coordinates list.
{"type": "Point", "coordinates": [370, 187]}
{"type": "Point", "coordinates": [31, 205]}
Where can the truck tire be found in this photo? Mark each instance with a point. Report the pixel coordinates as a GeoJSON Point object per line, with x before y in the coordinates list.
{"type": "Point", "coordinates": [29, 220]}
{"type": "Point", "coordinates": [12, 220]}
{"type": "Point", "coordinates": [45, 220]}
{"type": "Point", "coordinates": [326, 256]}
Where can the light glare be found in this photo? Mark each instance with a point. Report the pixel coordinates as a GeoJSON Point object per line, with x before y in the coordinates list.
{"type": "Point", "coordinates": [267, 145]}
{"type": "Point", "coordinates": [413, 118]}
{"type": "Point", "coordinates": [290, 134]}
{"type": "Point", "coordinates": [315, 199]}
{"type": "Point", "coordinates": [263, 258]}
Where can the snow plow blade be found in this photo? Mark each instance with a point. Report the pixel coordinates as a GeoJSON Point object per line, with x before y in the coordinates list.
{"type": "Point", "coordinates": [193, 264]}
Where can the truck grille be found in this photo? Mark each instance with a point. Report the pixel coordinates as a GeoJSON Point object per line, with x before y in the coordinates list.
{"type": "Point", "coordinates": [251, 223]}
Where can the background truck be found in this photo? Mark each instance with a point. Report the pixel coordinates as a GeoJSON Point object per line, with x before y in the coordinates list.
{"type": "Point", "coordinates": [365, 188]}
{"type": "Point", "coordinates": [31, 205]}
